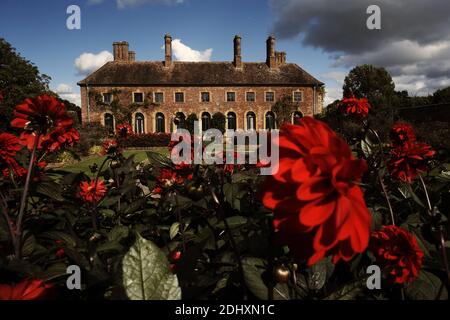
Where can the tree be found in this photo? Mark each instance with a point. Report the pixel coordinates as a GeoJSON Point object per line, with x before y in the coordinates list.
{"type": "Point", "coordinates": [373, 83]}
{"type": "Point", "coordinates": [284, 108]}
{"type": "Point", "coordinates": [190, 122]}
{"type": "Point", "coordinates": [442, 96]}
{"type": "Point", "coordinates": [19, 79]}
{"type": "Point", "coordinates": [218, 121]}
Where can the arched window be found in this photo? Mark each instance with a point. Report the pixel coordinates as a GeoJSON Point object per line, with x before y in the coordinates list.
{"type": "Point", "coordinates": [251, 121]}
{"type": "Point", "coordinates": [296, 116]}
{"type": "Point", "coordinates": [270, 120]}
{"type": "Point", "coordinates": [181, 120]}
{"type": "Point", "coordinates": [231, 120]}
{"type": "Point", "coordinates": [109, 122]}
{"type": "Point", "coordinates": [139, 123]}
{"type": "Point", "coordinates": [206, 121]}
{"type": "Point", "coordinates": [160, 122]}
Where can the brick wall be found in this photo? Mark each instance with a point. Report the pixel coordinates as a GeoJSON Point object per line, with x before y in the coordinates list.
{"type": "Point", "coordinates": [193, 103]}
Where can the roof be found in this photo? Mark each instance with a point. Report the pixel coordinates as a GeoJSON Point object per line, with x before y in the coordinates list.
{"type": "Point", "coordinates": [153, 73]}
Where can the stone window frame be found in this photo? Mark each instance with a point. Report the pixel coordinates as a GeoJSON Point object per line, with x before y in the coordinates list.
{"type": "Point", "coordinates": [293, 95]}
{"type": "Point", "coordinates": [163, 97]}
{"type": "Point", "coordinates": [133, 120]}
{"type": "Point", "coordinates": [132, 97]}
{"type": "Point", "coordinates": [265, 95]}
{"type": "Point", "coordinates": [256, 121]}
{"type": "Point", "coordinates": [209, 96]}
{"type": "Point", "coordinates": [250, 91]}
{"type": "Point", "coordinates": [175, 95]}
{"type": "Point", "coordinates": [226, 96]}
{"type": "Point", "coordinates": [103, 97]}
{"type": "Point", "coordinates": [155, 119]}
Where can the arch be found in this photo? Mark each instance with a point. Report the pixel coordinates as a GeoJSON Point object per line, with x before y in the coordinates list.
{"type": "Point", "coordinates": [139, 123]}
{"type": "Point", "coordinates": [296, 116]}
{"type": "Point", "coordinates": [108, 120]}
{"type": "Point", "coordinates": [182, 120]}
{"type": "Point", "coordinates": [231, 121]}
{"type": "Point", "coordinates": [206, 121]}
{"type": "Point", "coordinates": [270, 120]}
{"type": "Point", "coordinates": [160, 122]}
{"type": "Point", "coordinates": [250, 120]}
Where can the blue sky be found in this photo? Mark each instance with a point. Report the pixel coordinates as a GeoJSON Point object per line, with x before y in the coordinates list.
{"type": "Point", "coordinates": [37, 29]}
{"type": "Point", "coordinates": [316, 34]}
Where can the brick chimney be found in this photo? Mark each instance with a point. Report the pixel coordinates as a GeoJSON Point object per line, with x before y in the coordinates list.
{"type": "Point", "coordinates": [168, 50]}
{"type": "Point", "coordinates": [237, 61]}
{"type": "Point", "coordinates": [131, 56]}
{"type": "Point", "coordinates": [280, 58]}
{"type": "Point", "coordinates": [271, 61]}
{"type": "Point", "coordinates": [120, 50]}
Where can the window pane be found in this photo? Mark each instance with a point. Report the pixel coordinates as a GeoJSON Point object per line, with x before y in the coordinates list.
{"type": "Point", "coordinates": [160, 122]}
{"type": "Point", "coordinates": [205, 96]}
{"type": "Point", "coordinates": [107, 97]}
{"type": "Point", "coordinates": [250, 96]}
{"type": "Point", "coordinates": [179, 97]}
{"type": "Point", "coordinates": [109, 122]}
{"type": "Point", "coordinates": [231, 96]}
{"type": "Point", "coordinates": [297, 96]}
{"type": "Point", "coordinates": [206, 121]}
{"type": "Point", "coordinates": [139, 123]}
{"type": "Point", "coordinates": [138, 97]}
{"type": "Point", "coordinates": [159, 97]}
{"type": "Point", "coordinates": [270, 96]}
{"type": "Point", "coordinates": [231, 117]}
{"type": "Point", "coordinates": [251, 121]}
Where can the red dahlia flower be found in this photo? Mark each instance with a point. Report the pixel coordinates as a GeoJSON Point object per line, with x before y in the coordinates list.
{"type": "Point", "coordinates": [318, 206]}
{"type": "Point", "coordinates": [397, 249]}
{"type": "Point", "coordinates": [110, 147]}
{"type": "Point", "coordinates": [402, 133]}
{"type": "Point", "coordinates": [168, 177]}
{"type": "Point", "coordinates": [356, 107]}
{"type": "Point", "coordinates": [9, 146]}
{"type": "Point", "coordinates": [92, 191]}
{"type": "Point", "coordinates": [48, 117]}
{"type": "Point", "coordinates": [408, 160]}
{"type": "Point", "coordinates": [124, 130]}
{"type": "Point", "coordinates": [25, 290]}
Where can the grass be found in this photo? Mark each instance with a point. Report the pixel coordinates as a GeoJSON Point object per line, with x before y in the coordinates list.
{"type": "Point", "coordinates": [83, 165]}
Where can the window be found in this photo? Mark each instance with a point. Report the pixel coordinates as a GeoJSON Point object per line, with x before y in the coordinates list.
{"type": "Point", "coordinates": [181, 120]}
{"type": "Point", "coordinates": [179, 96]}
{"type": "Point", "coordinates": [251, 121]}
{"type": "Point", "coordinates": [270, 120]}
{"type": "Point", "coordinates": [138, 97]}
{"type": "Point", "coordinates": [297, 96]}
{"type": "Point", "coordinates": [205, 97]}
{"type": "Point", "coordinates": [107, 97]}
{"type": "Point", "coordinates": [139, 123]}
{"type": "Point", "coordinates": [109, 122]}
{"type": "Point", "coordinates": [159, 97]}
{"type": "Point", "coordinates": [270, 96]}
{"type": "Point", "coordinates": [231, 96]}
{"type": "Point", "coordinates": [296, 116]}
{"type": "Point", "coordinates": [250, 96]}
{"type": "Point", "coordinates": [231, 120]}
{"type": "Point", "coordinates": [160, 122]}
{"type": "Point", "coordinates": [206, 121]}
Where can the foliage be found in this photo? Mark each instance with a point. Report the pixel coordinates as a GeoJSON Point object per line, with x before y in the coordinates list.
{"type": "Point", "coordinates": [218, 121]}
{"type": "Point", "coordinates": [190, 122]}
{"type": "Point", "coordinates": [146, 140]}
{"type": "Point", "coordinates": [284, 108]}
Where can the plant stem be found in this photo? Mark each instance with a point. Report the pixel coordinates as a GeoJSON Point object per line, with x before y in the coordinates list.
{"type": "Point", "coordinates": [23, 201]}
{"type": "Point", "coordinates": [430, 209]}
{"type": "Point", "coordinates": [8, 220]}
{"type": "Point", "coordinates": [383, 187]}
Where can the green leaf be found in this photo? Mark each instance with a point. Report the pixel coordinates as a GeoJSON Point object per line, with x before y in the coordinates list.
{"type": "Point", "coordinates": [349, 291]}
{"type": "Point", "coordinates": [174, 228]}
{"type": "Point", "coordinates": [319, 273]}
{"type": "Point", "coordinates": [253, 272]}
{"type": "Point", "coordinates": [50, 189]}
{"type": "Point", "coordinates": [146, 273]}
{"type": "Point", "coordinates": [366, 147]}
{"type": "Point", "coordinates": [233, 222]}
{"type": "Point", "coordinates": [425, 287]}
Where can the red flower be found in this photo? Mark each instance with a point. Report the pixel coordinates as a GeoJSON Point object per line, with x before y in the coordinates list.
{"type": "Point", "coordinates": [397, 249]}
{"type": "Point", "coordinates": [92, 191]}
{"type": "Point", "coordinates": [124, 130]}
{"type": "Point", "coordinates": [110, 147]}
{"type": "Point", "coordinates": [408, 160]}
{"type": "Point", "coordinates": [356, 107]}
{"type": "Point", "coordinates": [25, 290]}
{"type": "Point", "coordinates": [319, 207]}
{"type": "Point", "coordinates": [48, 116]}
{"type": "Point", "coordinates": [402, 133]}
{"type": "Point", "coordinates": [9, 146]}
{"type": "Point", "coordinates": [60, 253]}
{"type": "Point", "coordinates": [168, 177]}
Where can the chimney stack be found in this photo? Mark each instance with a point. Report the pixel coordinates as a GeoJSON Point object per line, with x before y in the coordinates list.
{"type": "Point", "coordinates": [237, 52]}
{"type": "Point", "coordinates": [280, 58]}
{"type": "Point", "coordinates": [271, 61]}
{"type": "Point", "coordinates": [131, 56]}
{"type": "Point", "coordinates": [120, 50]}
{"type": "Point", "coordinates": [168, 50]}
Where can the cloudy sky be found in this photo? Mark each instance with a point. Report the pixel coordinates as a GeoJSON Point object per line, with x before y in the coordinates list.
{"type": "Point", "coordinates": [326, 37]}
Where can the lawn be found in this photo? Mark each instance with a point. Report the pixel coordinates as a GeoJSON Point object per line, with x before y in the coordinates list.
{"type": "Point", "coordinates": [83, 165]}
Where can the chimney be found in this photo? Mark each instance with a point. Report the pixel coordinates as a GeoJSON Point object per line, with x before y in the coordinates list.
{"type": "Point", "coordinates": [131, 56]}
{"type": "Point", "coordinates": [120, 50]}
{"type": "Point", "coordinates": [237, 52]}
{"type": "Point", "coordinates": [168, 50]}
{"type": "Point", "coordinates": [280, 58]}
{"type": "Point", "coordinates": [271, 62]}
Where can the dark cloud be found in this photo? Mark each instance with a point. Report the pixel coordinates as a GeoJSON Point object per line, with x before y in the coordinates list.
{"type": "Point", "coordinates": [414, 39]}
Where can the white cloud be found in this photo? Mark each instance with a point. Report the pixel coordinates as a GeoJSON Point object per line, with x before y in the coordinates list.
{"type": "Point", "coordinates": [87, 63]}
{"type": "Point", "coordinates": [333, 89]}
{"type": "Point", "coordinates": [184, 53]}
{"type": "Point", "coordinates": [65, 92]}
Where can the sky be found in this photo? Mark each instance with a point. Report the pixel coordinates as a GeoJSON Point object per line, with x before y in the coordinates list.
{"type": "Point", "coordinates": [325, 37]}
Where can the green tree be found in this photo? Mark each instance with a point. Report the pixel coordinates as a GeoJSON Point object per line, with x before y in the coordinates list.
{"type": "Point", "coordinates": [284, 108]}
{"type": "Point", "coordinates": [190, 122]}
{"type": "Point", "coordinates": [19, 79]}
{"type": "Point", "coordinates": [218, 121]}
{"type": "Point", "coordinates": [442, 96]}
